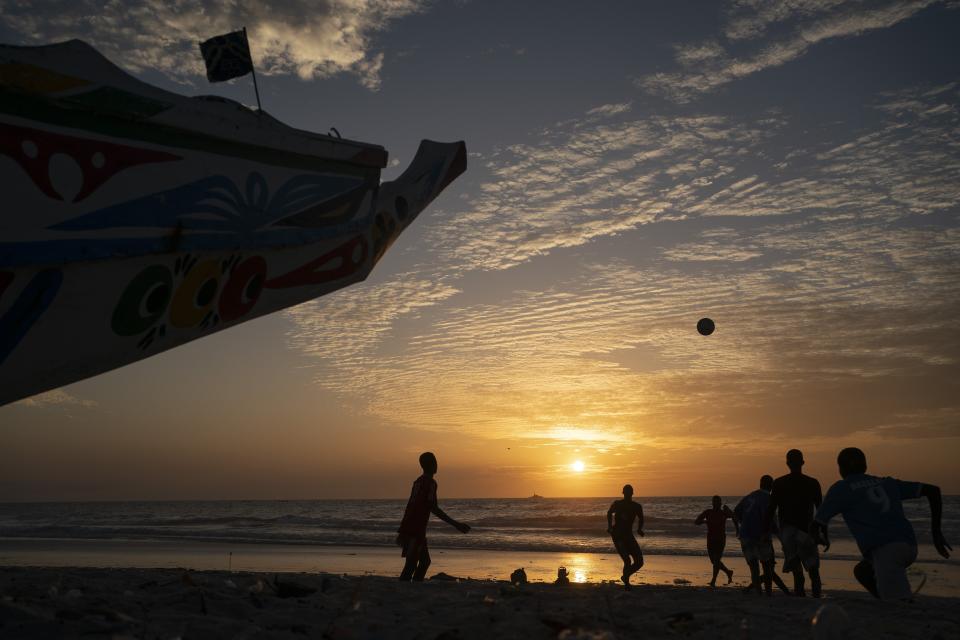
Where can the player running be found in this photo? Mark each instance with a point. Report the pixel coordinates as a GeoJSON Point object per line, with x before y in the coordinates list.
{"type": "Point", "coordinates": [716, 519]}
{"type": "Point", "coordinates": [620, 518]}
{"type": "Point", "coordinates": [756, 540]}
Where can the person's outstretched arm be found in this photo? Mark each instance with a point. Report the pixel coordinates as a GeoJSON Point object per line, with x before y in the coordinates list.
{"type": "Point", "coordinates": [640, 519]}
{"type": "Point", "coordinates": [701, 518]}
{"type": "Point", "coordinates": [437, 511]}
{"type": "Point", "coordinates": [610, 518]}
{"type": "Point", "coordinates": [932, 492]}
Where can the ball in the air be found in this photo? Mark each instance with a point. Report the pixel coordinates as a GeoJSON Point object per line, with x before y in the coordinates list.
{"type": "Point", "coordinates": [705, 326]}
{"type": "Point", "coordinates": [831, 622]}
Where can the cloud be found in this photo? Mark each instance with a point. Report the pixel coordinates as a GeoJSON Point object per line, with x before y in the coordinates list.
{"type": "Point", "coordinates": [749, 19]}
{"type": "Point", "coordinates": [344, 328]}
{"type": "Point", "coordinates": [830, 268]}
{"type": "Point", "coordinates": [309, 39]}
{"type": "Point", "coordinates": [55, 398]}
{"type": "Point", "coordinates": [605, 110]}
{"type": "Point", "coordinates": [751, 48]}
{"type": "Point", "coordinates": [587, 179]}
{"type": "Point", "coordinates": [792, 345]}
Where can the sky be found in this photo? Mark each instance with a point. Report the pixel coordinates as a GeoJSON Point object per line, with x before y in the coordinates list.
{"type": "Point", "coordinates": [790, 169]}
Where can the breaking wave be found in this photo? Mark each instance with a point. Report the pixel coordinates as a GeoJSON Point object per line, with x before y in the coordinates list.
{"type": "Point", "coordinates": [564, 525]}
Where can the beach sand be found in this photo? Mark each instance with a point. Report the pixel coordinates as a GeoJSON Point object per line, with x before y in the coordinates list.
{"type": "Point", "coordinates": [940, 578]}
{"type": "Point", "coordinates": [184, 589]}
{"type": "Point", "coordinates": [52, 602]}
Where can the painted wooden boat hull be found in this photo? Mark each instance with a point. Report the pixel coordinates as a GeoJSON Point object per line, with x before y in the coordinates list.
{"type": "Point", "coordinates": [135, 220]}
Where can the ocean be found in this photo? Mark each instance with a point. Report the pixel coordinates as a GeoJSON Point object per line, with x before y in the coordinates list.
{"type": "Point", "coordinates": [571, 525]}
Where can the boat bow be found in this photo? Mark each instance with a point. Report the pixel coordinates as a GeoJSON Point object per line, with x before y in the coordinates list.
{"type": "Point", "coordinates": [136, 220]}
{"type": "Point", "coordinates": [400, 201]}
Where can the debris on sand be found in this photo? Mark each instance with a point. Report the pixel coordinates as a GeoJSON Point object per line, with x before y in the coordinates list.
{"type": "Point", "coordinates": [291, 589]}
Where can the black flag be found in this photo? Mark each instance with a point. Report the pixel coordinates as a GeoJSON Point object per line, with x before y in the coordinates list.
{"type": "Point", "coordinates": [227, 56]}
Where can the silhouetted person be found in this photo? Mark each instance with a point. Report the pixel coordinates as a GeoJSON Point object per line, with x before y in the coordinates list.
{"type": "Point", "coordinates": [620, 518]}
{"type": "Point", "coordinates": [755, 538]}
{"type": "Point", "coordinates": [412, 535]}
{"type": "Point", "coordinates": [716, 519]}
{"type": "Point", "coordinates": [873, 511]}
{"type": "Point", "coordinates": [795, 498]}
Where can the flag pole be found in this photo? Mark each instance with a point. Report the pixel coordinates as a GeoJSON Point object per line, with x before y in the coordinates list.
{"type": "Point", "coordinates": [253, 71]}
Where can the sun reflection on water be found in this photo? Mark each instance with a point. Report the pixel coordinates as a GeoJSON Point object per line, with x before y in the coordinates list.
{"type": "Point", "coordinates": [582, 567]}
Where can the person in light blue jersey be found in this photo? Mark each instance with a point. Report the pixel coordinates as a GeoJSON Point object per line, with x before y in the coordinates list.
{"type": "Point", "coordinates": [872, 509]}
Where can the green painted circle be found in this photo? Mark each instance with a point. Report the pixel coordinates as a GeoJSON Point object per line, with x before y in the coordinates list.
{"type": "Point", "coordinates": [143, 302]}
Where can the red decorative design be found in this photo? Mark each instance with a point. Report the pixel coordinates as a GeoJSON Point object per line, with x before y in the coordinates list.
{"type": "Point", "coordinates": [98, 161]}
{"type": "Point", "coordinates": [243, 288]}
{"type": "Point", "coordinates": [336, 264]}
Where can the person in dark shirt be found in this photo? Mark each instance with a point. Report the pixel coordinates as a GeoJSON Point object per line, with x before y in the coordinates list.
{"type": "Point", "coordinates": [794, 499]}
{"type": "Point", "coordinates": [755, 540]}
{"type": "Point", "coordinates": [412, 535]}
{"type": "Point", "coordinates": [873, 511]}
{"type": "Point", "coordinates": [620, 518]}
{"type": "Point", "coordinates": [716, 519]}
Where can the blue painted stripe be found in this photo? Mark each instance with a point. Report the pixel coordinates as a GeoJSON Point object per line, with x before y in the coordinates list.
{"type": "Point", "coordinates": [27, 309]}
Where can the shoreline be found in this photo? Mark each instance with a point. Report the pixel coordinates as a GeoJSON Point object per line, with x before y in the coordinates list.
{"type": "Point", "coordinates": [941, 579]}
{"type": "Point", "coordinates": [170, 603]}
{"type": "Point", "coordinates": [926, 552]}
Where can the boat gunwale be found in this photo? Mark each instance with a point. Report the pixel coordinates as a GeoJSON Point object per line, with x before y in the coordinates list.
{"type": "Point", "coordinates": [44, 111]}
{"type": "Point", "coordinates": [177, 100]}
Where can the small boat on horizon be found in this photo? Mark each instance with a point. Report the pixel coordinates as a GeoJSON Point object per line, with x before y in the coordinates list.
{"type": "Point", "coordinates": [536, 496]}
{"type": "Point", "coordinates": [136, 219]}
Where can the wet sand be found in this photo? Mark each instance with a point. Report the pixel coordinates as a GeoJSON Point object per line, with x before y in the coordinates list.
{"type": "Point", "coordinates": [940, 578]}
{"type": "Point", "coordinates": [173, 603]}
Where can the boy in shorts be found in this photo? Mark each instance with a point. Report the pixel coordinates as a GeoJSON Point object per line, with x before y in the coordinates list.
{"type": "Point", "coordinates": [716, 520]}
{"type": "Point", "coordinates": [620, 519]}
{"type": "Point", "coordinates": [795, 498]}
{"type": "Point", "coordinates": [755, 538]}
{"type": "Point", "coordinates": [412, 536]}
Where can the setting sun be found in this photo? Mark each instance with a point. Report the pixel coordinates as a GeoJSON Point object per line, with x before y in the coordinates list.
{"type": "Point", "coordinates": [577, 466]}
